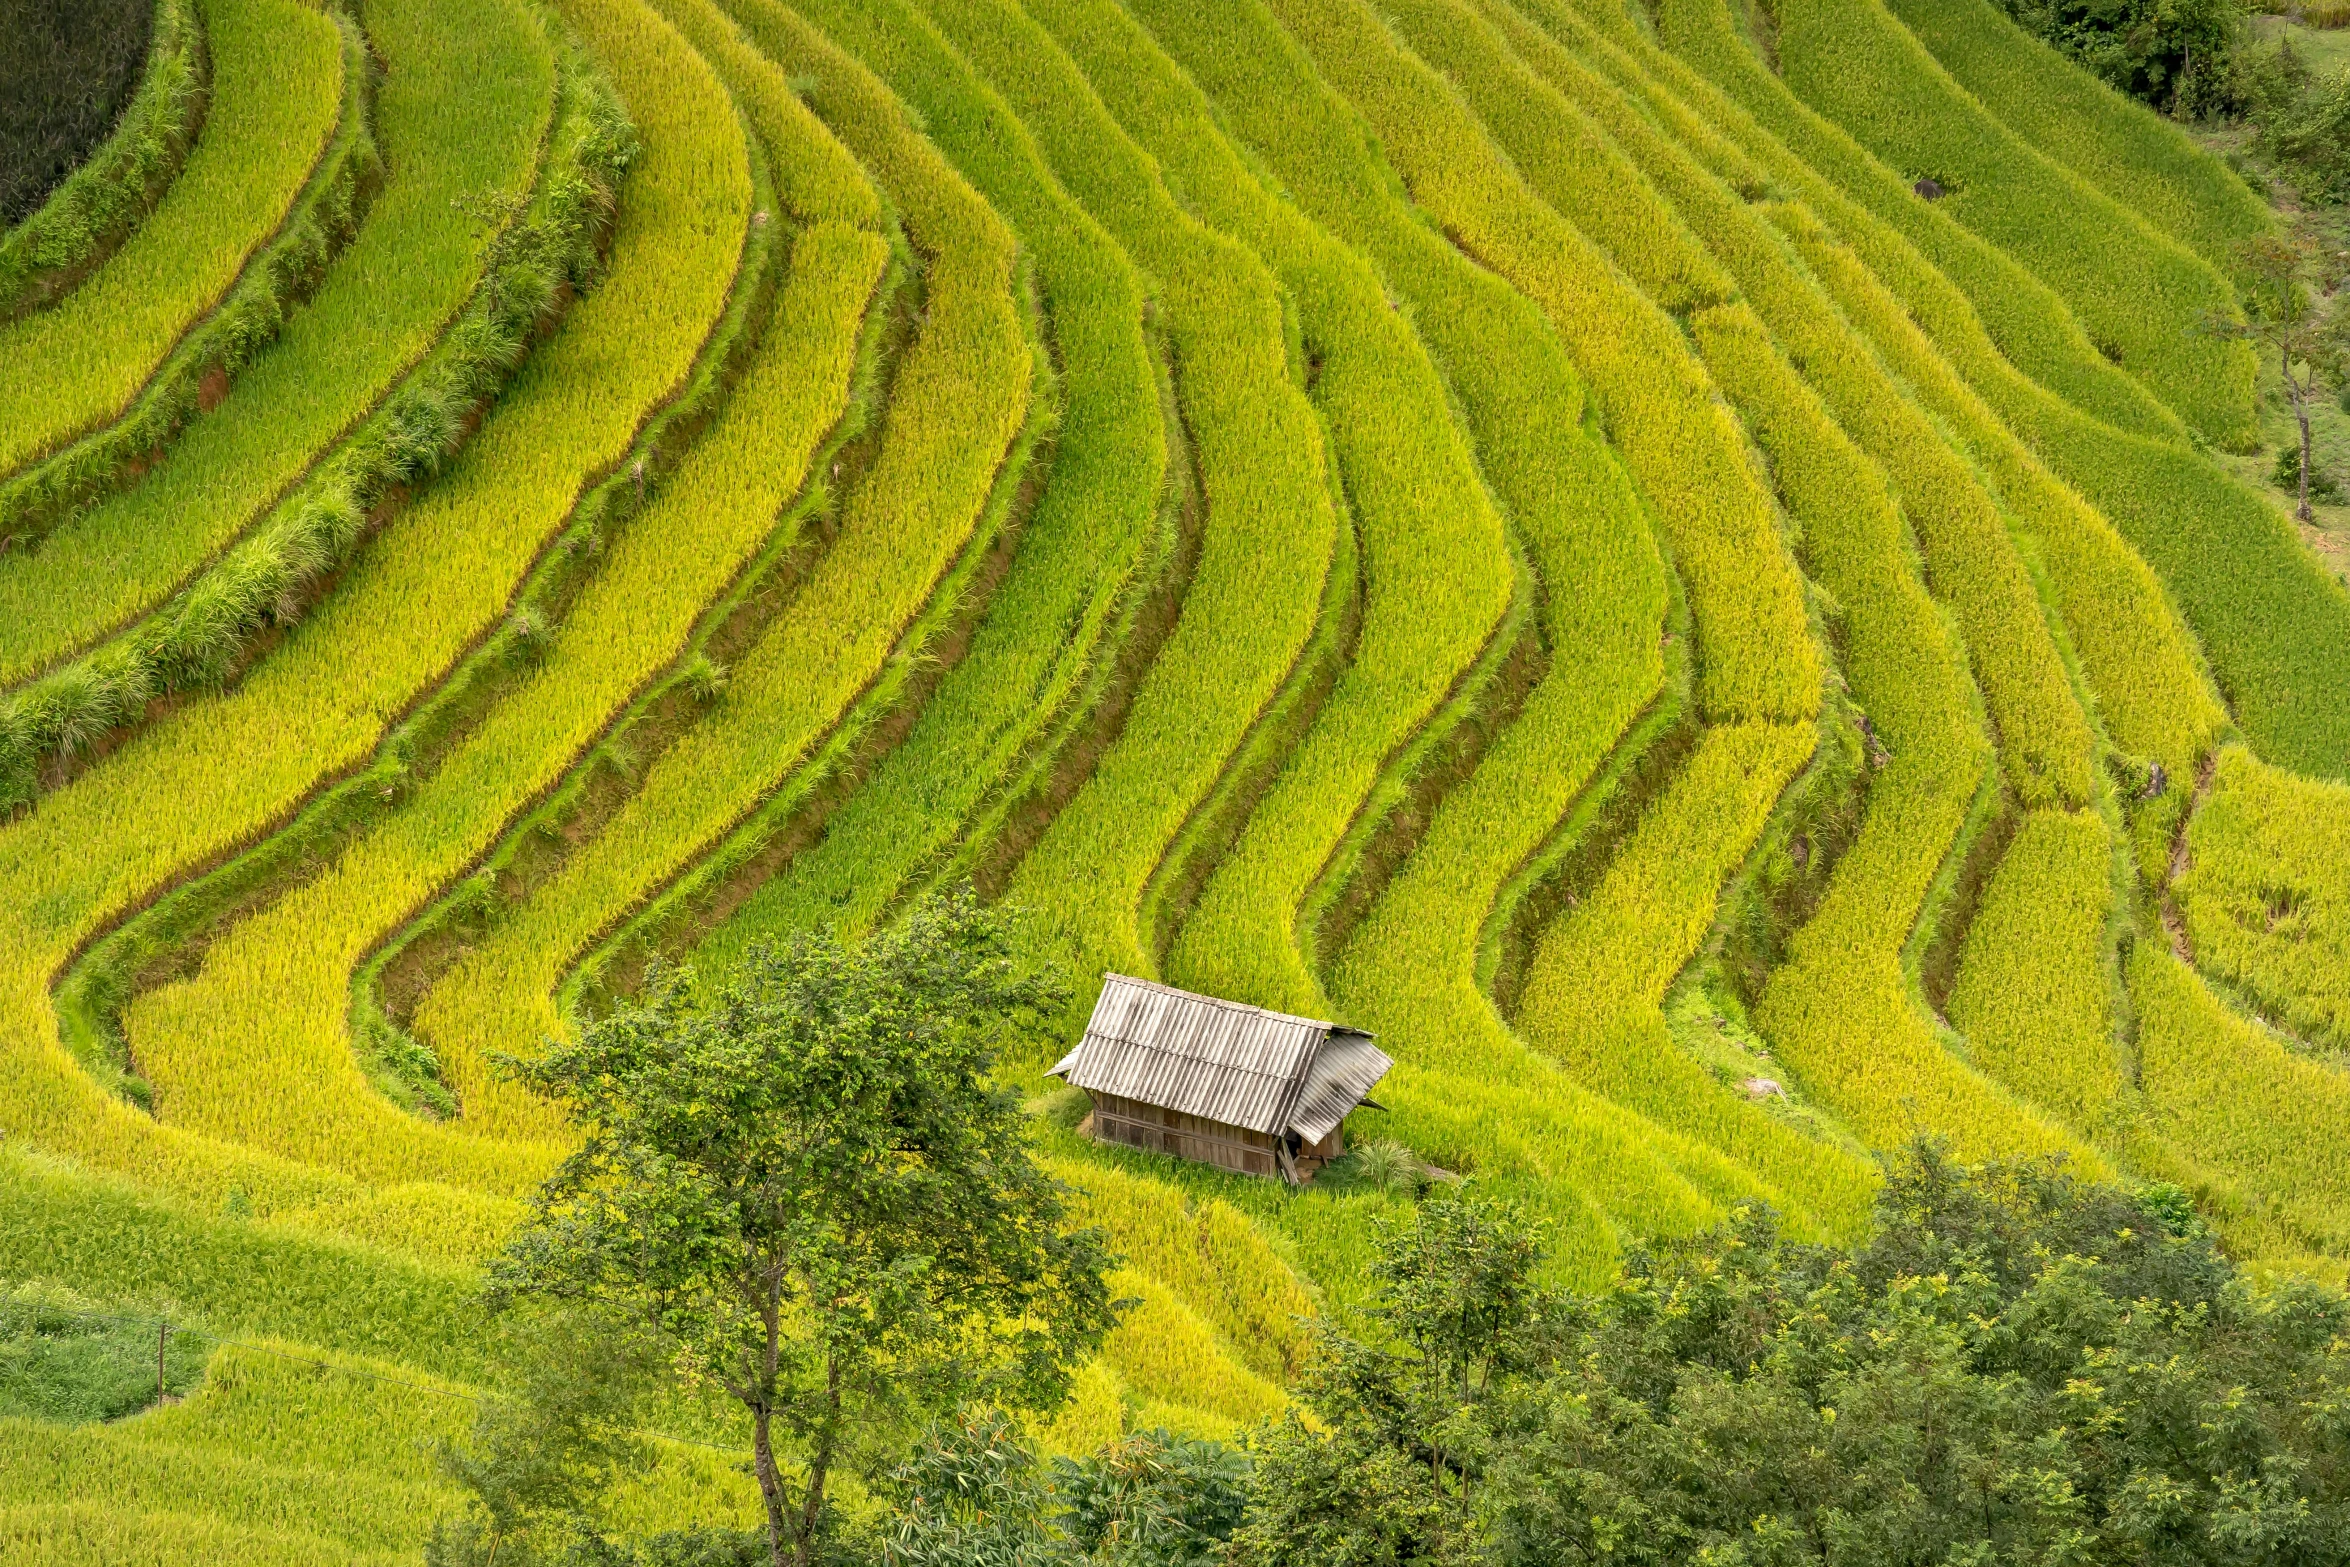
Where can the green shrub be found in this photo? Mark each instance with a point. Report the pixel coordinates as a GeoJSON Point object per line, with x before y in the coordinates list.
{"type": "Point", "coordinates": [2134, 155]}
{"type": "Point", "coordinates": [2173, 55]}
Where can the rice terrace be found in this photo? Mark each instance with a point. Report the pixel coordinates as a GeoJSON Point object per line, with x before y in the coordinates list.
{"type": "Point", "coordinates": [1253, 733]}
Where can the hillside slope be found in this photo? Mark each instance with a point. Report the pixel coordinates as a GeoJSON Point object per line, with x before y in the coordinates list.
{"type": "Point", "coordinates": [1505, 522]}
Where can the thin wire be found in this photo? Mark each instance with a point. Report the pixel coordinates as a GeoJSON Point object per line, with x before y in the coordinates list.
{"type": "Point", "coordinates": [350, 1371]}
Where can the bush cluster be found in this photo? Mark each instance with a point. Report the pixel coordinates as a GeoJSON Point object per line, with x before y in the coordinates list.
{"type": "Point", "coordinates": [2018, 1365]}
{"type": "Point", "coordinates": [2177, 55]}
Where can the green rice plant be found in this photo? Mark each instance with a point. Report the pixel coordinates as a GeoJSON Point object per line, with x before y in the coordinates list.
{"type": "Point", "coordinates": [283, 974]}
{"type": "Point", "coordinates": [1161, 1350]}
{"type": "Point", "coordinates": [2267, 614]}
{"type": "Point", "coordinates": [1434, 554]}
{"type": "Point", "coordinates": [2144, 672]}
{"type": "Point", "coordinates": [85, 218]}
{"type": "Point", "coordinates": [74, 1534]}
{"type": "Point", "coordinates": [259, 1048]}
{"type": "Point", "coordinates": [2230, 1095]}
{"type": "Point", "coordinates": [277, 85]}
{"type": "Point", "coordinates": [338, 1412]}
{"type": "Point", "coordinates": [461, 114]}
{"type": "Point", "coordinates": [818, 181]}
{"type": "Point", "coordinates": [2149, 688]}
{"type": "Point", "coordinates": [960, 399]}
{"type": "Point", "coordinates": [1087, 540]}
{"type": "Point", "coordinates": [1267, 540]}
{"type": "Point", "coordinates": [1712, 66]}
{"type": "Point", "coordinates": [1208, 1255]}
{"type": "Point", "coordinates": [1901, 663]}
{"type": "Point", "coordinates": [1094, 1415]}
{"type": "Point", "coordinates": [1600, 973]}
{"type": "Point", "coordinates": [71, 76]}
{"type": "Point", "coordinates": [104, 1237]}
{"type": "Point", "coordinates": [2034, 994]}
{"type": "Point", "coordinates": [216, 349]}
{"type": "Point", "coordinates": [218, 772]}
{"type": "Point", "coordinates": [2266, 895]}
{"type": "Point", "coordinates": [2141, 159]}
{"type": "Point", "coordinates": [1567, 1149]}
{"type": "Point", "coordinates": [1410, 970]}
{"type": "Point", "coordinates": [1654, 232]}
{"type": "Point", "coordinates": [2140, 294]}
{"type": "Point", "coordinates": [261, 582]}
{"type": "Point", "coordinates": [1218, 1320]}
{"type": "Point", "coordinates": [356, 1510]}
{"type": "Point", "coordinates": [64, 1359]}
{"type": "Point", "coordinates": [1595, 1167]}
{"type": "Point", "coordinates": [1756, 658]}
{"type": "Point", "coordinates": [1593, 988]}
{"type": "Point", "coordinates": [293, 1439]}
{"type": "Point", "coordinates": [1411, 966]}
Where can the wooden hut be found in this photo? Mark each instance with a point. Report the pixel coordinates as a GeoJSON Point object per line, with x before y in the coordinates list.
{"type": "Point", "coordinates": [1260, 1092]}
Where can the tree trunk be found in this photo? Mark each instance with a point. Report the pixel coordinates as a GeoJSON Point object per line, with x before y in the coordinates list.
{"type": "Point", "coordinates": [2301, 415]}
{"type": "Point", "coordinates": [819, 1465]}
{"type": "Point", "coordinates": [2301, 412]}
{"type": "Point", "coordinates": [770, 1483]}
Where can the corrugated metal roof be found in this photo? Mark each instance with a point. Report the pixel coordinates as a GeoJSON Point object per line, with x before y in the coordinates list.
{"type": "Point", "coordinates": [1345, 1070]}
{"type": "Point", "coordinates": [1241, 1065]}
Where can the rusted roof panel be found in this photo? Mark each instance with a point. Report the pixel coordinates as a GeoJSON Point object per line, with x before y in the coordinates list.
{"type": "Point", "coordinates": [1240, 1065]}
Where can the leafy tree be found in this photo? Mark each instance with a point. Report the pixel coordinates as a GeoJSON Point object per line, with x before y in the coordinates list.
{"type": "Point", "coordinates": [541, 1456]}
{"type": "Point", "coordinates": [1391, 1475]}
{"type": "Point", "coordinates": [809, 1189]}
{"type": "Point", "coordinates": [2173, 54]}
{"type": "Point", "coordinates": [2019, 1367]}
{"type": "Point", "coordinates": [2281, 319]}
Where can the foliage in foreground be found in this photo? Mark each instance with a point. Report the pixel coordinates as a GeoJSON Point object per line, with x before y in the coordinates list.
{"type": "Point", "coordinates": [2018, 1367]}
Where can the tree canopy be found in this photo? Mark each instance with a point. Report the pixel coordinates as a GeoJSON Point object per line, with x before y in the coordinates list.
{"type": "Point", "coordinates": [2019, 1367]}
{"type": "Point", "coordinates": [808, 1186]}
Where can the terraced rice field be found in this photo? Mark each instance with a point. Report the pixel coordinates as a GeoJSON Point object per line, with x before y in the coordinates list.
{"type": "Point", "coordinates": [1504, 522]}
